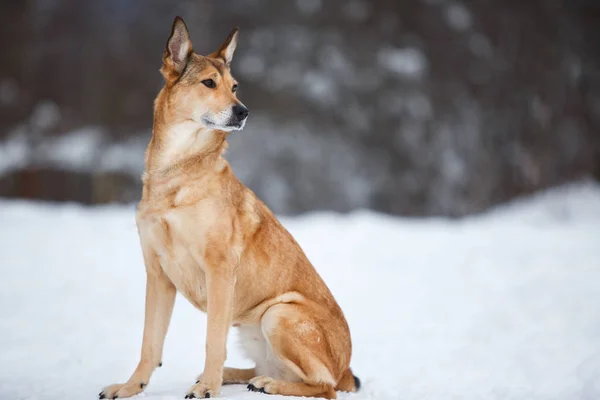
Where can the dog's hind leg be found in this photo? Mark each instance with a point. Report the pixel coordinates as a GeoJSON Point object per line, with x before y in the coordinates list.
{"type": "Point", "coordinates": [268, 385]}
{"type": "Point", "coordinates": [160, 298]}
{"type": "Point", "coordinates": [302, 365]}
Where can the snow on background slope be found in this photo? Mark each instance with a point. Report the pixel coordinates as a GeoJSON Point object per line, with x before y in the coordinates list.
{"type": "Point", "coordinates": [504, 305]}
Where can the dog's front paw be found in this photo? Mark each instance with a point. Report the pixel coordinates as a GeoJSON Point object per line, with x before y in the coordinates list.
{"type": "Point", "coordinates": [121, 390]}
{"type": "Point", "coordinates": [202, 391]}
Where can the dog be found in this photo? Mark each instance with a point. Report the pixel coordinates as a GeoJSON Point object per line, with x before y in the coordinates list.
{"type": "Point", "coordinates": [206, 235]}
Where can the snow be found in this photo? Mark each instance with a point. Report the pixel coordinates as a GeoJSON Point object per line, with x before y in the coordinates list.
{"type": "Point", "coordinates": [14, 153]}
{"type": "Point", "coordinates": [502, 305]}
{"type": "Point", "coordinates": [75, 151]}
{"type": "Point", "coordinates": [126, 156]}
{"type": "Point", "coordinates": [85, 149]}
{"type": "Point", "coordinates": [408, 62]}
{"type": "Point", "coordinates": [319, 88]}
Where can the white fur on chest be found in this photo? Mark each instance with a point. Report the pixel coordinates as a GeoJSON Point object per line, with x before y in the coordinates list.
{"type": "Point", "coordinates": [182, 140]}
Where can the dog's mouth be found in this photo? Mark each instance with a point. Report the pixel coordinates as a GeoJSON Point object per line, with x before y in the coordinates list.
{"type": "Point", "coordinates": [237, 125]}
{"type": "Point", "coordinates": [229, 127]}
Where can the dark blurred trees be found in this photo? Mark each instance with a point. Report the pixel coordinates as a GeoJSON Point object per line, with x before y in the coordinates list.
{"type": "Point", "coordinates": [409, 107]}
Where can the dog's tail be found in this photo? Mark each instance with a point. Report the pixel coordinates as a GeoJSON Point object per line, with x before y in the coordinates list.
{"type": "Point", "coordinates": [349, 382]}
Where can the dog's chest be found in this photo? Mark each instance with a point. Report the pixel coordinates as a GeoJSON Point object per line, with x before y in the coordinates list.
{"type": "Point", "coordinates": [169, 236]}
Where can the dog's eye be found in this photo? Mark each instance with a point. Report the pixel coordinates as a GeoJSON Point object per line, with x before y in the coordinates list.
{"type": "Point", "coordinates": [234, 88]}
{"type": "Point", "coordinates": [209, 83]}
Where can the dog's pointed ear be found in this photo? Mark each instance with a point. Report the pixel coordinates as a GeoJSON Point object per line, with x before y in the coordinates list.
{"type": "Point", "coordinates": [178, 50]}
{"type": "Point", "coordinates": [227, 49]}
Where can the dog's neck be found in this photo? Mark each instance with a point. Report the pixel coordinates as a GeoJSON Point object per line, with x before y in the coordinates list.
{"type": "Point", "coordinates": [183, 146]}
{"type": "Point", "coordinates": [179, 155]}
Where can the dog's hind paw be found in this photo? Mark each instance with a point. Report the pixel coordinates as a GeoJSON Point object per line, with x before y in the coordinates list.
{"type": "Point", "coordinates": [260, 384]}
{"type": "Point", "coordinates": [253, 388]}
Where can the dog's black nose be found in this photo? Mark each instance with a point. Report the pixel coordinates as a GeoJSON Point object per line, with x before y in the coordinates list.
{"type": "Point", "coordinates": [240, 112]}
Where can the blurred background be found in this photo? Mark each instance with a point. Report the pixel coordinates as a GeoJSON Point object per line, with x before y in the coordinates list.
{"type": "Point", "coordinates": [417, 107]}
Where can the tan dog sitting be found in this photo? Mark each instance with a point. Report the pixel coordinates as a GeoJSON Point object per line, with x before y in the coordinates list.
{"type": "Point", "coordinates": [206, 235]}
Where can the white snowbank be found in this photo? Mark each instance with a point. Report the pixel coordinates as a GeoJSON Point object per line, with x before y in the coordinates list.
{"type": "Point", "coordinates": [85, 149]}
{"type": "Point", "coordinates": [499, 306]}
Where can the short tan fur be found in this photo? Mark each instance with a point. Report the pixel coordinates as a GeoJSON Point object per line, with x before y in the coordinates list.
{"type": "Point", "coordinates": [206, 235]}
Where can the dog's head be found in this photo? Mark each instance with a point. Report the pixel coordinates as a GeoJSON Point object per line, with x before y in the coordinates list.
{"type": "Point", "coordinates": [201, 88]}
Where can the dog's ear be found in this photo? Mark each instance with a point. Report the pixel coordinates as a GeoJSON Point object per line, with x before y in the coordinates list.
{"type": "Point", "coordinates": [178, 50]}
{"type": "Point", "coordinates": [227, 49]}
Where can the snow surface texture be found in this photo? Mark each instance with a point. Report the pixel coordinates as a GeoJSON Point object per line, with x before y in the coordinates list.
{"type": "Point", "coordinates": [499, 306]}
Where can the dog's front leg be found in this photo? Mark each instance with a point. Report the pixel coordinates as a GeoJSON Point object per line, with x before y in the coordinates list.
{"type": "Point", "coordinates": [220, 283]}
{"type": "Point", "coordinates": [160, 298]}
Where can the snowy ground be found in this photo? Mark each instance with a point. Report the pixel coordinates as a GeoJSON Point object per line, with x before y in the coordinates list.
{"type": "Point", "coordinates": [500, 306]}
